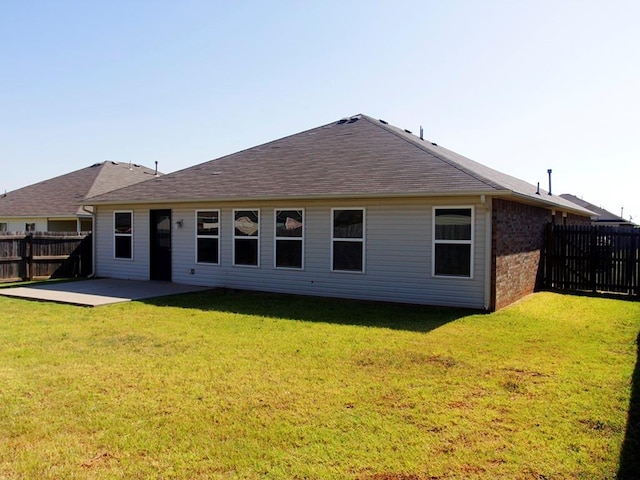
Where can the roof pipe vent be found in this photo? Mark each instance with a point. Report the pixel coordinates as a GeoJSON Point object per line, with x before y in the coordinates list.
{"type": "Point", "coordinates": [156, 174]}
{"type": "Point", "coordinates": [549, 172]}
{"type": "Point", "coordinates": [538, 189]}
{"type": "Point", "coordinates": [421, 133]}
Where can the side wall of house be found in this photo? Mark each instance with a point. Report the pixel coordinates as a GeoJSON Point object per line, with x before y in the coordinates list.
{"type": "Point", "coordinates": [19, 224]}
{"type": "Point", "coordinates": [519, 238]}
{"type": "Point", "coordinates": [398, 252]}
{"type": "Point", "coordinates": [43, 224]}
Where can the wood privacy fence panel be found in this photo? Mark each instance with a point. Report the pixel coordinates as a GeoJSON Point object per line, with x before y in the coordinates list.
{"type": "Point", "coordinates": [594, 259]}
{"type": "Point", "coordinates": [43, 255]}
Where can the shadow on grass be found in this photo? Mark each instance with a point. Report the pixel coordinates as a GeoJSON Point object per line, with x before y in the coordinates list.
{"type": "Point", "coordinates": [583, 293]}
{"type": "Point", "coordinates": [630, 455]}
{"type": "Point", "coordinates": [415, 318]}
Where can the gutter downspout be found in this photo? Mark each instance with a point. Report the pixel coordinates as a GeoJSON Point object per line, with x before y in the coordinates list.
{"type": "Point", "coordinates": [488, 223]}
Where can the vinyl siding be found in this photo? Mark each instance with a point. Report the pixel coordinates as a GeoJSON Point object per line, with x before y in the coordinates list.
{"type": "Point", "coordinates": [106, 264]}
{"type": "Point", "coordinates": [18, 225]}
{"type": "Point", "coordinates": [398, 258]}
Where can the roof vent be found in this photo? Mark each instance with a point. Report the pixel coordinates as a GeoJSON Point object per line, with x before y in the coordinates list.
{"type": "Point", "coordinates": [114, 163]}
{"type": "Point", "coordinates": [382, 121]}
{"type": "Point", "coordinates": [343, 120]}
{"type": "Point", "coordinates": [354, 119]}
{"type": "Point", "coordinates": [434, 144]}
{"type": "Point", "coordinates": [408, 131]}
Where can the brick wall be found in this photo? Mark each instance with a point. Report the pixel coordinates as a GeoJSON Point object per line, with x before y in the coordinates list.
{"type": "Point", "coordinates": [518, 240]}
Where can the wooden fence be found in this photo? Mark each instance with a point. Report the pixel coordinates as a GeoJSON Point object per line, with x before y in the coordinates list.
{"type": "Point", "coordinates": [43, 255]}
{"type": "Point", "coordinates": [593, 259]}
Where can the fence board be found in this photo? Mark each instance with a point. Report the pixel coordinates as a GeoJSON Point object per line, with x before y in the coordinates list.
{"type": "Point", "coordinates": [593, 258]}
{"type": "Point", "coordinates": [43, 255]}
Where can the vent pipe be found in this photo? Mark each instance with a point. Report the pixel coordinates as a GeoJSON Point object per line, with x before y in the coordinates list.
{"type": "Point", "coordinates": [549, 172]}
{"type": "Point", "coordinates": [538, 189]}
{"type": "Point", "coordinates": [421, 133]}
{"type": "Point", "coordinates": [156, 168]}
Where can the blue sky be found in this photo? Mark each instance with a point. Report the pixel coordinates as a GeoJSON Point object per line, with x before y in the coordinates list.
{"type": "Point", "coordinates": [521, 86]}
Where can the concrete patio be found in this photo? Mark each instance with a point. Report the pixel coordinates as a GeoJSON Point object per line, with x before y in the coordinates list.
{"type": "Point", "coordinates": [97, 292]}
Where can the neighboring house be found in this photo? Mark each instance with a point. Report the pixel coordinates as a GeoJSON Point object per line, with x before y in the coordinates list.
{"type": "Point", "coordinates": [601, 216]}
{"type": "Point", "coordinates": [54, 205]}
{"type": "Point", "coordinates": [356, 209]}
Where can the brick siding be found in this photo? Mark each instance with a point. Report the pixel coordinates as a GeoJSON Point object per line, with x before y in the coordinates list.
{"type": "Point", "coordinates": [518, 239]}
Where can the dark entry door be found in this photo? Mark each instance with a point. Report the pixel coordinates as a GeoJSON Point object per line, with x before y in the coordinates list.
{"type": "Point", "coordinates": [160, 255]}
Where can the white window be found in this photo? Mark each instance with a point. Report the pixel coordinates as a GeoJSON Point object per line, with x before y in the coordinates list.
{"type": "Point", "coordinates": [289, 238]}
{"type": "Point", "coordinates": [246, 237]}
{"type": "Point", "coordinates": [123, 235]}
{"type": "Point", "coordinates": [347, 239]}
{"type": "Point", "coordinates": [208, 236]}
{"type": "Point", "coordinates": [453, 241]}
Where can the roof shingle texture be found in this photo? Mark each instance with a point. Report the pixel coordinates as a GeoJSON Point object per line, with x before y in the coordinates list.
{"type": "Point", "coordinates": [63, 195]}
{"type": "Point", "coordinates": [604, 216]}
{"type": "Point", "coordinates": [355, 157]}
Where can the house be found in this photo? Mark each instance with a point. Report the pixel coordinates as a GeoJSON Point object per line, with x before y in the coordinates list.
{"type": "Point", "coordinates": [54, 205]}
{"type": "Point", "coordinates": [600, 215]}
{"type": "Point", "coordinates": [356, 208]}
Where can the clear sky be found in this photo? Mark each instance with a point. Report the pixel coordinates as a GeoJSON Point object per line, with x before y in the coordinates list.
{"type": "Point", "coordinates": [521, 86]}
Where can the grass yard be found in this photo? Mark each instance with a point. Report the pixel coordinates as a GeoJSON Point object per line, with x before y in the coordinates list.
{"type": "Point", "coordinates": [225, 385]}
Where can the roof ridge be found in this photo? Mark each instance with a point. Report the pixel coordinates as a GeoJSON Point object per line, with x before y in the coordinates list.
{"type": "Point", "coordinates": [100, 166]}
{"type": "Point", "coordinates": [390, 128]}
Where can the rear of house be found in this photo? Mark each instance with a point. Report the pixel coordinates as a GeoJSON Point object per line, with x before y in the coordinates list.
{"type": "Point", "coordinates": [353, 209]}
{"type": "Point", "coordinates": [362, 248]}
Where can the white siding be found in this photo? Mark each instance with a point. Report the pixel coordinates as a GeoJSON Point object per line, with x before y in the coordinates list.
{"type": "Point", "coordinates": [18, 224]}
{"type": "Point", "coordinates": [43, 224]}
{"type": "Point", "coordinates": [106, 264]}
{"type": "Point", "coordinates": [398, 252]}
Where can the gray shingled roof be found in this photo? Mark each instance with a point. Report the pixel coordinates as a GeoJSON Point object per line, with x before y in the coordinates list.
{"type": "Point", "coordinates": [62, 196]}
{"type": "Point", "coordinates": [358, 156]}
{"type": "Point", "coordinates": [603, 216]}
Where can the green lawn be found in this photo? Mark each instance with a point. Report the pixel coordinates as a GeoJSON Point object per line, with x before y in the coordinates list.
{"type": "Point", "coordinates": [227, 385]}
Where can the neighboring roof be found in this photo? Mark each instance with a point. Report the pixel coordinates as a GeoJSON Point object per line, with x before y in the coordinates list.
{"type": "Point", "coordinates": [62, 196]}
{"type": "Point", "coordinates": [357, 156]}
{"type": "Point", "coordinates": [603, 216]}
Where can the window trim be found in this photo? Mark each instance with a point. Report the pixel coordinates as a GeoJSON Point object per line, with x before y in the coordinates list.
{"type": "Point", "coordinates": [236, 237]}
{"type": "Point", "coordinates": [470, 242]}
{"type": "Point", "coordinates": [362, 240]}
{"type": "Point", "coordinates": [130, 235]}
{"type": "Point", "coordinates": [300, 239]}
{"type": "Point", "coordinates": [217, 237]}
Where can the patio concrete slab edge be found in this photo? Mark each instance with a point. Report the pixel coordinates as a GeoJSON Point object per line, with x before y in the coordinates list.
{"type": "Point", "coordinates": [97, 292]}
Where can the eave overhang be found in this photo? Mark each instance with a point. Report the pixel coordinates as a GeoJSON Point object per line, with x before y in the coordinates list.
{"type": "Point", "coordinates": [541, 202]}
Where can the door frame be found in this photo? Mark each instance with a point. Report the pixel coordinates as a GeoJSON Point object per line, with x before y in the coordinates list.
{"type": "Point", "coordinates": [165, 272]}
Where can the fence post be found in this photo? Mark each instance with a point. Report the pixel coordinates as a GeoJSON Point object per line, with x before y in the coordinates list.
{"type": "Point", "coordinates": [594, 259]}
{"type": "Point", "coordinates": [28, 250]}
{"type": "Point", "coordinates": [548, 252]}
